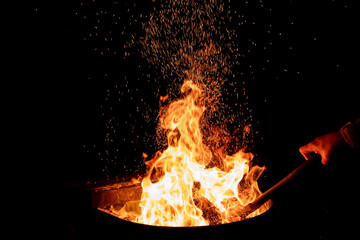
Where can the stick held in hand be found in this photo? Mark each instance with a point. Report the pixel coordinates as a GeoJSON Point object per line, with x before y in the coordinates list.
{"type": "Point", "coordinates": [251, 207]}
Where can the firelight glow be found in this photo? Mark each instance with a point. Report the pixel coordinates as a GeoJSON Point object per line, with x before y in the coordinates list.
{"type": "Point", "coordinates": [193, 181]}
{"type": "Point", "coordinates": [180, 189]}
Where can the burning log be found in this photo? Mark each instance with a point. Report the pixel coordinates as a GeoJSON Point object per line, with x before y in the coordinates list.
{"type": "Point", "coordinates": [210, 212]}
{"type": "Point", "coordinates": [115, 194]}
{"type": "Point", "coordinates": [106, 194]}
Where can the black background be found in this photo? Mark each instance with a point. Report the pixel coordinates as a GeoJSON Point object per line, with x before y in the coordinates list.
{"type": "Point", "coordinates": [306, 91]}
{"type": "Point", "coordinates": [315, 94]}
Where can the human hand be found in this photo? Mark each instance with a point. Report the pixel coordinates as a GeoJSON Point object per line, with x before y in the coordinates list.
{"type": "Point", "coordinates": [325, 145]}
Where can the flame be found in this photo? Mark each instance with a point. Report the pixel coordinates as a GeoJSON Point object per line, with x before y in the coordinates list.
{"type": "Point", "coordinates": [181, 188]}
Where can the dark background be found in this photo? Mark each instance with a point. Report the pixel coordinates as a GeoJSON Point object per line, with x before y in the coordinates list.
{"type": "Point", "coordinates": [306, 89]}
{"type": "Point", "coordinates": [302, 86]}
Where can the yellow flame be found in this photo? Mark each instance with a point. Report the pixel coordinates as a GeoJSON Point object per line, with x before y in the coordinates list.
{"type": "Point", "coordinates": [179, 189]}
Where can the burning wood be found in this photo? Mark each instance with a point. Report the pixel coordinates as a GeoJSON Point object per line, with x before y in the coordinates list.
{"type": "Point", "coordinates": [210, 212]}
{"type": "Point", "coordinates": [182, 187]}
{"type": "Point", "coordinates": [191, 182]}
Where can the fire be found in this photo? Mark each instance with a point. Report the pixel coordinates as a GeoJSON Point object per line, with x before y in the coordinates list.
{"type": "Point", "coordinates": [188, 184]}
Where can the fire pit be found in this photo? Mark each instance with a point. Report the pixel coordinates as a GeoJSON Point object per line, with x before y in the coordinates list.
{"type": "Point", "coordinates": [107, 200]}
{"type": "Point", "coordinates": [96, 209]}
{"type": "Point", "coordinates": [200, 176]}
{"type": "Point", "coordinates": [122, 200]}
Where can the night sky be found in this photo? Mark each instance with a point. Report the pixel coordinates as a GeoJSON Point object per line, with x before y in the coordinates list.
{"type": "Point", "coordinates": [97, 98]}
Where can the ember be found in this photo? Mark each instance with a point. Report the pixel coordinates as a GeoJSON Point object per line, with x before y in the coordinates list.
{"type": "Point", "coordinates": [194, 181]}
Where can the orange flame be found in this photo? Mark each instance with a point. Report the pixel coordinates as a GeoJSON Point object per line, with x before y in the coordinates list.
{"type": "Point", "coordinates": [180, 189]}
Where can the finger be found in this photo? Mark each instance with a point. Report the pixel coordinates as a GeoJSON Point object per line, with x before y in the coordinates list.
{"type": "Point", "coordinates": [306, 151]}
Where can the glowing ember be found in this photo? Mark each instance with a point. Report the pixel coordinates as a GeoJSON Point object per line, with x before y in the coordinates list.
{"type": "Point", "coordinates": [193, 182]}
